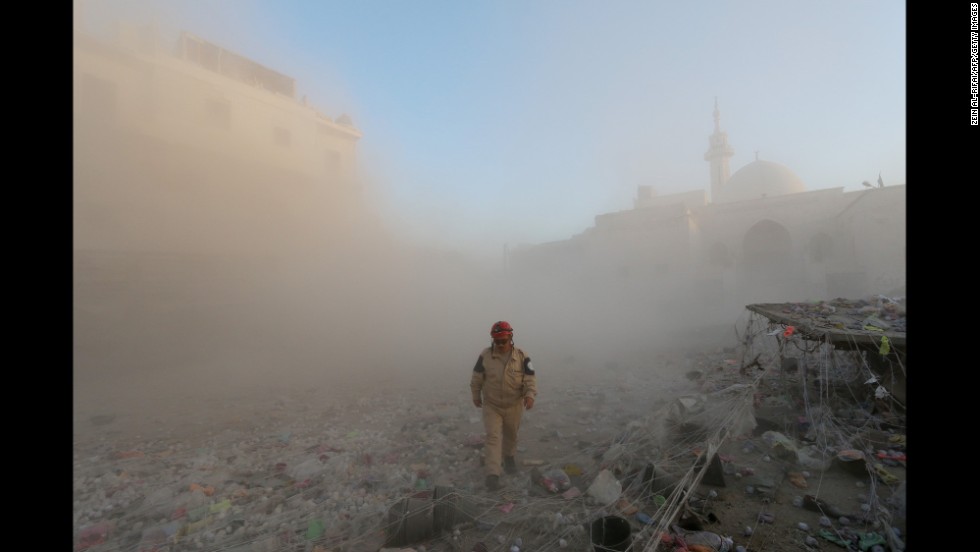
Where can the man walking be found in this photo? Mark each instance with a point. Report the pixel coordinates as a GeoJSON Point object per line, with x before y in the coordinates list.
{"type": "Point", "coordinates": [503, 384]}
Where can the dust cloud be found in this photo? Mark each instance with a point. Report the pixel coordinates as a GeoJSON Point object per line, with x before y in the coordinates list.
{"type": "Point", "coordinates": [204, 268]}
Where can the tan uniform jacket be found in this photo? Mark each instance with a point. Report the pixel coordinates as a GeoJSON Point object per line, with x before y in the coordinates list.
{"type": "Point", "coordinates": [501, 385]}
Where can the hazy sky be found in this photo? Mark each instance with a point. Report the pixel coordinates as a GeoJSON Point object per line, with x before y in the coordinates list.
{"type": "Point", "coordinates": [492, 123]}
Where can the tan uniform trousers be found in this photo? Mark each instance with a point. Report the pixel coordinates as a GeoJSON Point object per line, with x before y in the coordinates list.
{"type": "Point", "coordinates": [501, 425]}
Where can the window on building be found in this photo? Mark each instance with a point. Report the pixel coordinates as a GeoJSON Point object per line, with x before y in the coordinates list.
{"type": "Point", "coordinates": [282, 136]}
{"type": "Point", "coordinates": [218, 113]}
{"type": "Point", "coordinates": [767, 243]}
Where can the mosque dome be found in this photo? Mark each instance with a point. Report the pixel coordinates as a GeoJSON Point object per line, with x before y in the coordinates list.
{"type": "Point", "coordinates": [760, 179]}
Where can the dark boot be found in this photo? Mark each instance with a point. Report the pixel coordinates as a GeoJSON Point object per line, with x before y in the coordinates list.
{"type": "Point", "coordinates": [493, 482]}
{"type": "Point", "coordinates": [510, 465]}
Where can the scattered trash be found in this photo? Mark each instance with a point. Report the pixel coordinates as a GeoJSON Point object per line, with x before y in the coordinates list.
{"type": "Point", "coordinates": [626, 507]}
{"type": "Point", "coordinates": [709, 539]}
{"type": "Point", "coordinates": [780, 445]}
{"type": "Point", "coordinates": [644, 519]}
{"type": "Point", "coordinates": [884, 475]}
{"type": "Point", "coordinates": [797, 479]}
{"type": "Point", "coordinates": [605, 488]}
{"type": "Point", "coordinates": [289, 485]}
{"type": "Point", "coordinates": [554, 480]}
{"type": "Point", "coordinates": [832, 537]}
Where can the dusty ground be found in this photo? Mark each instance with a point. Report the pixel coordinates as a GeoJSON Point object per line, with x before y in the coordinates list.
{"type": "Point", "coordinates": [582, 412]}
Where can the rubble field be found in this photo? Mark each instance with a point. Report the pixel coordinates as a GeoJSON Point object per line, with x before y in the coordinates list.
{"type": "Point", "coordinates": [796, 462]}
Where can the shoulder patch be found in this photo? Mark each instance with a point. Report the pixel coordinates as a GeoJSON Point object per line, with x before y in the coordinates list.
{"type": "Point", "coordinates": [479, 364]}
{"type": "Point", "coordinates": [528, 368]}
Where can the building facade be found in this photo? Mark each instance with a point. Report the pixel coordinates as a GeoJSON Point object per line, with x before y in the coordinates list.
{"type": "Point", "coordinates": [761, 236]}
{"type": "Point", "coordinates": [204, 190]}
{"type": "Point", "coordinates": [190, 146]}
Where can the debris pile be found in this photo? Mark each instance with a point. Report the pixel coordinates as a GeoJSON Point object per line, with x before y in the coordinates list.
{"type": "Point", "coordinates": [695, 452]}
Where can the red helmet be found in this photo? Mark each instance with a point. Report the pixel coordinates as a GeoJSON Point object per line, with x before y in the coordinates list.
{"type": "Point", "coordinates": [501, 329]}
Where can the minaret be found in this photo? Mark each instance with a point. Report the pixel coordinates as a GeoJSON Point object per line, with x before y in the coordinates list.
{"type": "Point", "coordinates": [718, 154]}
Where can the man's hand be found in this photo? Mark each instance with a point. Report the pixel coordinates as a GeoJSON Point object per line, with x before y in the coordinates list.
{"type": "Point", "coordinates": [478, 403]}
{"type": "Point", "coordinates": [528, 403]}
